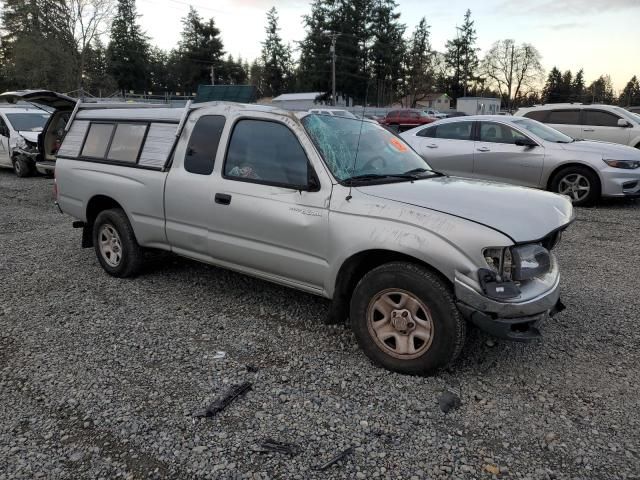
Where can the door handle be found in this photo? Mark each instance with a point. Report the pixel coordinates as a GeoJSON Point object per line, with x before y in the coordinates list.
{"type": "Point", "coordinates": [588, 130]}
{"type": "Point", "coordinates": [432, 145]}
{"type": "Point", "coordinates": [484, 149]}
{"type": "Point", "coordinates": [223, 199]}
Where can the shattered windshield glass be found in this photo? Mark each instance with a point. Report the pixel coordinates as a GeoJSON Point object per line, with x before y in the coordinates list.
{"type": "Point", "coordinates": [354, 148]}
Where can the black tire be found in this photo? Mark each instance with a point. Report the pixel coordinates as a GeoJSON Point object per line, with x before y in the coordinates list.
{"type": "Point", "coordinates": [586, 173]}
{"type": "Point", "coordinates": [130, 254]}
{"type": "Point", "coordinates": [22, 167]}
{"type": "Point", "coordinates": [448, 328]}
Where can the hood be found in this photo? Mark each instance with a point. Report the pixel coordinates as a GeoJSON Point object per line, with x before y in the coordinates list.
{"type": "Point", "coordinates": [30, 136]}
{"type": "Point", "coordinates": [522, 214]}
{"type": "Point", "coordinates": [46, 98]}
{"type": "Point", "coordinates": [608, 150]}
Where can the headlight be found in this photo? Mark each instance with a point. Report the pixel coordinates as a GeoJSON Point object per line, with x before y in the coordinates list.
{"type": "Point", "coordinates": [530, 261]}
{"type": "Point", "coordinates": [626, 164]}
{"type": "Point", "coordinates": [21, 142]}
{"type": "Point", "coordinates": [518, 263]}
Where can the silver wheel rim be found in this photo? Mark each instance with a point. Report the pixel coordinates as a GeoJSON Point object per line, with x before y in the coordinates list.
{"type": "Point", "coordinates": [400, 324]}
{"type": "Point", "coordinates": [110, 245]}
{"type": "Point", "coordinates": [575, 185]}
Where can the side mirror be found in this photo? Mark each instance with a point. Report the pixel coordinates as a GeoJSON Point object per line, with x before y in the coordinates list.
{"type": "Point", "coordinates": [525, 142]}
{"type": "Point", "coordinates": [623, 123]}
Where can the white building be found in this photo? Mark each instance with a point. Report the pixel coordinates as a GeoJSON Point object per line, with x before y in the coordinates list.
{"type": "Point", "coordinates": [478, 105]}
{"type": "Point", "coordinates": [305, 101]}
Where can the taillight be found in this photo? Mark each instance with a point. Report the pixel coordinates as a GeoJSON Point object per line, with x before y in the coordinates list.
{"type": "Point", "coordinates": [56, 146]}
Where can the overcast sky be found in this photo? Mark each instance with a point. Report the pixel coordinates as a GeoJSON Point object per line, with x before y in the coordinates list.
{"type": "Point", "coordinates": [601, 36]}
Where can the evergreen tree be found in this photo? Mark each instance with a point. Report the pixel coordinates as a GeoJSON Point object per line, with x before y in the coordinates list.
{"type": "Point", "coordinates": [578, 87]}
{"type": "Point", "coordinates": [601, 90]}
{"type": "Point", "coordinates": [420, 59]}
{"type": "Point", "coordinates": [314, 70]}
{"type": "Point", "coordinates": [128, 50]}
{"type": "Point", "coordinates": [277, 71]}
{"type": "Point", "coordinates": [255, 77]}
{"type": "Point", "coordinates": [200, 51]}
{"type": "Point", "coordinates": [96, 77]}
{"type": "Point", "coordinates": [36, 45]}
{"type": "Point", "coordinates": [631, 94]}
{"type": "Point", "coordinates": [552, 90]}
{"type": "Point", "coordinates": [462, 57]}
{"type": "Point", "coordinates": [566, 87]}
{"type": "Point", "coordinates": [387, 52]}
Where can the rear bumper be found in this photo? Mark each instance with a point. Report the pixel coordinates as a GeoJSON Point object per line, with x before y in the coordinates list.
{"type": "Point", "coordinates": [518, 321]}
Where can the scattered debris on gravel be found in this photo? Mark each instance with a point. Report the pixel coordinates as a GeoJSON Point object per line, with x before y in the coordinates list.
{"type": "Point", "coordinates": [99, 377]}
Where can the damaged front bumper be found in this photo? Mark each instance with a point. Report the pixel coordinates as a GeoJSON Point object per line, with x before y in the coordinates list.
{"type": "Point", "coordinates": [518, 319]}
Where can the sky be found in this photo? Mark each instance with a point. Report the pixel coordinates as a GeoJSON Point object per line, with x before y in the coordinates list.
{"type": "Point", "coordinates": [601, 36]}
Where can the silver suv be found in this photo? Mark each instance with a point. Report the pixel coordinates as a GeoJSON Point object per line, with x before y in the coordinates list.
{"type": "Point", "coordinates": [606, 123]}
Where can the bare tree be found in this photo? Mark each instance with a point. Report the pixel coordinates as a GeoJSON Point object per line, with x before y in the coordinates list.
{"type": "Point", "coordinates": [88, 20]}
{"type": "Point", "coordinates": [513, 69]}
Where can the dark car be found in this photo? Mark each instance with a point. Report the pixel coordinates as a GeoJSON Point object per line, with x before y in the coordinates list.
{"type": "Point", "coordinates": [406, 119]}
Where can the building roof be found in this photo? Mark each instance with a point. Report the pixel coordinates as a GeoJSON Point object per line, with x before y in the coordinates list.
{"type": "Point", "coordinates": [297, 96]}
{"type": "Point", "coordinates": [480, 98]}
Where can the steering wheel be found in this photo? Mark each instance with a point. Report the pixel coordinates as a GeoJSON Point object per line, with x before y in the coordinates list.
{"type": "Point", "coordinates": [369, 166]}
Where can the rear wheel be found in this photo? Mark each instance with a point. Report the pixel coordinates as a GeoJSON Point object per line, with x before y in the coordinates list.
{"type": "Point", "coordinates": [115, 244]}
{"type": "Point", "coordinates": [405, 319]}
{"type": "Point", "coordinates": [581, 184]}
{"type": "Point", "coordinates": [22, 167]}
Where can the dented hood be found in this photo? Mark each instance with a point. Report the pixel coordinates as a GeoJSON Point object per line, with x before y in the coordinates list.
{"type": "Point", "coordinates": [522, 214]}
{"type": "Point", "coordinates": [31, 136]}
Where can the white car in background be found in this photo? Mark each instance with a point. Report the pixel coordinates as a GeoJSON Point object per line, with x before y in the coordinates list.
{"type": "Point", "coordinates": [606, 123]}
{"type": "Point", "coordinates": [524, 152]}
{"type": "Point", "coordinates": [334, 112]}
{"type": "Point", "coordinates": [435, 113]}
{"type": "Point", "coordinates": [19, 130]}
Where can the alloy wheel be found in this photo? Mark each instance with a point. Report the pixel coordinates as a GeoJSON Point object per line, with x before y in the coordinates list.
{"type": "Point", "coordinates": [110, 245]}
{"type": "Point", "coordinates": [575, 185]}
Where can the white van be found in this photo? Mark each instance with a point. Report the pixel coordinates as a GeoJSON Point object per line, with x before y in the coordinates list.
{"type": "Point", "coordinates": [19, 130]}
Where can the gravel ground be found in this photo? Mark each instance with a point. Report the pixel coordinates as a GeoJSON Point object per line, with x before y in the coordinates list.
{"type": "Point", "coordinates": [99, 377]}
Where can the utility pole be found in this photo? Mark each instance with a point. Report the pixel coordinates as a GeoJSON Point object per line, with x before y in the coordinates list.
{"type": "Point", "coordinates": [332, 49]}
{"type": "Point", "coordinates": [213, 75]}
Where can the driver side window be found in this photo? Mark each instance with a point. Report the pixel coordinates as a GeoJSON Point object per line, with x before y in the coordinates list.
{"type": "Point", "coordinates": [498, 133]}
{"type": "Point", "coordinates": [266, 152]}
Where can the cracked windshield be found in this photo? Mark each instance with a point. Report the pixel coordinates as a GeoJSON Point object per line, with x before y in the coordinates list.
{"type": "Point", "coordinates": [354, 149]}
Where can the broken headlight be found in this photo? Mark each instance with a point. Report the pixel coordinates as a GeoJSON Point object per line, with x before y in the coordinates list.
{"type": "Point", "coordinates": [530, 261]}
{"type": "Point", "coordinates": [518, 263]}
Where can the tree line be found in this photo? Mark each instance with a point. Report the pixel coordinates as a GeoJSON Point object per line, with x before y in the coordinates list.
{"type": "Point", "coordinates": [59, 44]}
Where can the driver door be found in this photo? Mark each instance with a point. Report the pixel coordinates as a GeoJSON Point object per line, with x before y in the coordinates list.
{"type": "Point", "coordinates": [5, 158]}
{"type": "Point", "coordinates": [266, 217]}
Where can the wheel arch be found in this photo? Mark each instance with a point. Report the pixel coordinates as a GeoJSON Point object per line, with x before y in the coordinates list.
{"type": "Point", "coordinates": [357, 265]}
{"type": "Point", "coordinates": [557, 169]}
{"type": "Point", "coordinates": [98, 203]}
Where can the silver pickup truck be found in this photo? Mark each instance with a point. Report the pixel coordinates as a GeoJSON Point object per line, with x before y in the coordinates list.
{"type": "Point", "coordinates": [332, 206]}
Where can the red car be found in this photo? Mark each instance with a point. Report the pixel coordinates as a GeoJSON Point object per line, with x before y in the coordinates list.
{"type": "Point", "coordinates": [406, 118]}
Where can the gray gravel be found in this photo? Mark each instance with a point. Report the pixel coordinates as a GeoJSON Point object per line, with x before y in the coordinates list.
{"type": "Point", "coordinates": [99, 377]}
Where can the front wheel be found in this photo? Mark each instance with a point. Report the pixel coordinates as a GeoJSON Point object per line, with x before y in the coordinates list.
{"type": "Point", "coordinates": [115, 243]}
{"type": "Point", "coordinates": [405, 319]}
{"type": "Point", "coordinates": [22, 167]}
{"type": "Point", "coordinates": [580, 184]}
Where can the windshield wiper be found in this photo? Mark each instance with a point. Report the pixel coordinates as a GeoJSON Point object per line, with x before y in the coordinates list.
{"type": "Point", "coordinates": [376, 176]}
{"type": "Point", "coordinates": [416, 171]}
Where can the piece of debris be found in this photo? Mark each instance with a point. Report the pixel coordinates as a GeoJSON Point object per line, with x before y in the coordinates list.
{"type": "Point", "coordinates": [251, 368]}
{"type": "Point", "coordinates": [334, 460]}
{"type": "Point", "coordinates": [219, 355]}
{"type": "Point", "coordinates": [222, 403]}
{"type": "Point", "coordinates": [270, 445]}
{"type": "Point", "coordinates": [492, 469]}
{"type": "Point", "coordinates": [449, 401]}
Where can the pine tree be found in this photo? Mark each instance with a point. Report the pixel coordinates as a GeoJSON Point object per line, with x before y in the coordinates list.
{"type": "Point", "coordinates": [96, 78]}
{"type": "Point", "coordinates": [631, 94]}
{"type": "Point", "coordinates": [578, 87]}
{"type": "Point", "coordinates": [601, 90]}
{"type": "Point", "coordinates": [387, 52]}
{"type": "Point", "coordinates": [277, 69]}
{"type": "Point", "coordinates": [462, 57]}
{"type": "Point", "coordinates": [420, 68]}
{"type": "Point", "coordinates": [552, 88]}
{"type": "Point", "coordinates": [128, 51]}
{"type": "Point", "coordinates": [566, 87]}
{"type": "Point", "coordinates": [36, 45]}
{"type": "Point", "coordinates": [200, 50]}
{"type": "Point", "coordinates": [314, 70]}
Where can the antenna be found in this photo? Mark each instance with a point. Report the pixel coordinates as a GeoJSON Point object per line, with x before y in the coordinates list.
{"type": "Point", "coordinates": [355, 158]}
